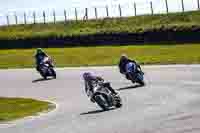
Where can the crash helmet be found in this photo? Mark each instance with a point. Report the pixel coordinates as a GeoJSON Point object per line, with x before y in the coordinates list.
{"type": "Point", "coordinates": [123, 57]}
{"type": "Point", "coordinates": [39, 51]}
{"type": "Point", "coordinates": [86, 75]}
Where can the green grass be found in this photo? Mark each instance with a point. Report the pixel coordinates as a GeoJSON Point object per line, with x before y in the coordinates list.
{"type": "Point", "coordinates": [15, 108]}
{"type": "Point", "coordinates": [107, 55]}
{"type": "Point", "coordinates": [116, 25]}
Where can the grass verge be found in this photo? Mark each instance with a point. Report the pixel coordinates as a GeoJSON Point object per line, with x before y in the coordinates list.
{"type": "Point", "coordinates": [15, 108]}
{"type": "Point", "coordinates": [105, 55]}
{"type": "Point", "coordinates": [138, 24]}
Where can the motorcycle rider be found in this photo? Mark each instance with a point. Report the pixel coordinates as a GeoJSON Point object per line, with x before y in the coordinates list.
{"type": "Point", "coordinates": [39, 56]}
{"type": "Point", "coordinates": [124, 60]}
{"type": "Point", "coordinates": [89, 78]}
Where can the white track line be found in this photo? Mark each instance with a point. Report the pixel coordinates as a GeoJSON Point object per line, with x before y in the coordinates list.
{"type": "Point", "coordinates": [30, 118]}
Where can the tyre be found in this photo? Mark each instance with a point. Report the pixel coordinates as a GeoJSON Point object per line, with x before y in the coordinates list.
{"type": "Point", "coordinates": [45, 77]}
{"type": "Point", "coordinates": [131, 77]}
{"type": "Point", "coordinates": [118, 102]}
{"type": "Point", "coordinates": [140, 79]}
{"type": "Point", "coordinates": [141, 83]}
{"type": "Point", "coordinates": [53, 73]}
{"type": "Point", "coordinates": [43, 74]}
{"type": "Point", "coordinates": [101, 101]}
{"type": "Point", "coordinates": [118, 105]}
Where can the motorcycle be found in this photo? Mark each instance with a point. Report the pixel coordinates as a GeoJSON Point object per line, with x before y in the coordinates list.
{"type": "Point", "coordinates": [104, 98]}
{"type": "Point", "coordinates": [46, 69]}
{"type": "Point", "coordinates": [135, 73]}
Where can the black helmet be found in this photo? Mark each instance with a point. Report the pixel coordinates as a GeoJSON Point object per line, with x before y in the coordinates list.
{"type": "Point", "coordinates": [123, 57]}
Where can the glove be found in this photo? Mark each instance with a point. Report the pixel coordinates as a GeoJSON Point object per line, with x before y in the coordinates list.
{"type": "Point", "coordinates": [100, 79]}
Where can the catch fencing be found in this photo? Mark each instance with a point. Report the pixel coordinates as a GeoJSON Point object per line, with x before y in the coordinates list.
{"type": "Point", "coordinates": [98, 12]}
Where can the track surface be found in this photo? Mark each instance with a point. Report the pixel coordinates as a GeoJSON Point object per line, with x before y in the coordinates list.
{"type": "Point", "coordinates": [169, 103]}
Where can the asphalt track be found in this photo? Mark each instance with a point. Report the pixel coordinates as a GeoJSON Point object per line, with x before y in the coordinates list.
{"type": "Point", "coordinates": [169, 103]}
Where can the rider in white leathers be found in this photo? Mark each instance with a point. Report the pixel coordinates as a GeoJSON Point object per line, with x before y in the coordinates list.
{"type": "Point", "coordinates": [89, 78]}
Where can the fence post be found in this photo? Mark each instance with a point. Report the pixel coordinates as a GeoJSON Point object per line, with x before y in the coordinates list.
{"type": "Point", "coordinates": [151, 6]}
{"type": "Point", "coordinates": [167, 9]}
{"type": "Point", "coordinates": [44, 17]}
{"type": "Point", "coordinates": [54, 16]}
{"type": "Point", "coordinates": [86, 14]}
{"type": "Point", "coordinates": [95, 11]}
{"type": "Point", "coordinates": [34, 18]}
{"type": "Point", "coordinates": [182, 3]}
{"type": "Point", "coordinates": [120, 11]}
{"type": "Point", "coordinates": [76, 14]}
{"type": "Point", "coordinates": [107, 12]}
{"type": "Point", "coordinates": [198, 5]}
{"type": "Point", "coordinates": [65, 15]}
{"type": "Point", "coordinates": [7, 18]}
{"type": "Point", "coordinates": [16, 20]}
{"type": "Point", "coordinates": [135, 9]}
{"type": "Point", "coordinates": [24, 17]}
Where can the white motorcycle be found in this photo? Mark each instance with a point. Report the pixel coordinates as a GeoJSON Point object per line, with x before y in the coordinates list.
{"type": "Point", "coordinates": [103, 97]}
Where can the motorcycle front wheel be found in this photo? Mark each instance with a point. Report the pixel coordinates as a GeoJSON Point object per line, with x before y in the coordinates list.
{"type": "Point", "coordinates": [118, 102]}
{"type": "Point", "coordinates": [101, 101]}
{"type": "Point", "coordinates": [140, 79]}
{"type": "Point", "coordinates": [53, 73]}
{"type": "Point", "coordinates": [43, 74]}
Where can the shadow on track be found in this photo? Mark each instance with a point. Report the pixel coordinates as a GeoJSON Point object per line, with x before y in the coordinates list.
{"type": "Point", "coordinates": [130, 87]}
{"type": "Point", "coordinates": [96, 111]}
{"type": "Point", "coordinates": [41, 79]}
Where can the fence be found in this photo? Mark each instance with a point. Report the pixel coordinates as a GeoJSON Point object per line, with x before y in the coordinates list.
{"type": "Point", "coordinates": [99, 12]}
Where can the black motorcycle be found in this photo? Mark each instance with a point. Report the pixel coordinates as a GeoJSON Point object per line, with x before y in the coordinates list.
{"type": "Point", "coordinates": [104, 97]}
{"type": "Point", "coordinates": [46, 68]}
{"type": "Point", "coordinates": [136, 76]}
